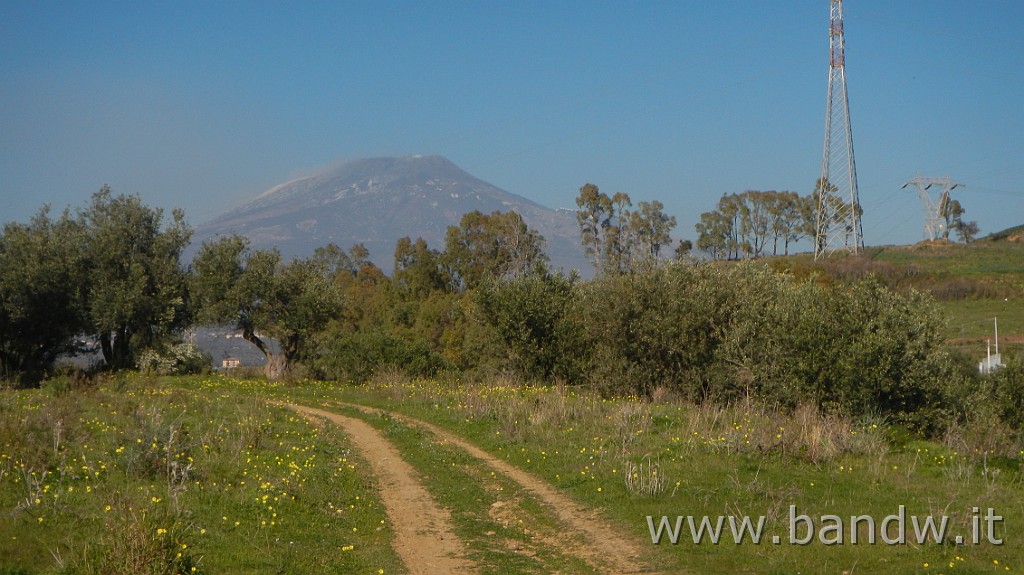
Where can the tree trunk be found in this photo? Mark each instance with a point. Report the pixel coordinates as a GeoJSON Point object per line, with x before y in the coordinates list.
{"type": "Point", "coordinates": [278, 367]}
{"type": "Point", "coordinates": [107, 348]}
{"type": "Point", "coordinates": [122, 349]}
{"type": "Point", "coordinates": [116, 348]}
{"type": "Point", "coordinates": [278, 364]}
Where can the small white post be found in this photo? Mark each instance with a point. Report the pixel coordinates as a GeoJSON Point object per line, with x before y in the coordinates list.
{"type": "Point", "coordinates": [995, 320]}
{"type": "Point", "coordinates": [988, 363]}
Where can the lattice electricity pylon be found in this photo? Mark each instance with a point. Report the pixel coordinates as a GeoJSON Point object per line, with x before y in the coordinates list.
{"type": "Point", "coordinates": [838, 223]}
{"type": "Point", "coordinates": [934, 211]}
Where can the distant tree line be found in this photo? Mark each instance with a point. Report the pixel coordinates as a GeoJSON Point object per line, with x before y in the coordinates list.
{"type": "Point", "coordinates": [753, 223]}
{"type": "Point", "coordinates": [748, 224]}
{"type": "Point", "coordinates": [653, 317]}
{"type": "Point", "coordinates": [620, 240]}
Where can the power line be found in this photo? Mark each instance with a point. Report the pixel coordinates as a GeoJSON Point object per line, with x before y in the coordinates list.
{"type": "Point", "coordinates": [889, 214]}
{"type": "Point", "coordinates": [996, 191]}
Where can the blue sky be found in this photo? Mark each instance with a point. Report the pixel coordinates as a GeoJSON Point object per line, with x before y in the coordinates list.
{"type": "Point", "coordinates": [204, 105]}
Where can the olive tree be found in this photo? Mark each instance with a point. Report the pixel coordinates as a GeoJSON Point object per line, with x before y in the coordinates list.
{"type": "Point", "coordinates": [535, 317]}
{"type": "Point", "coordinates": [135, 285]}
{"type": "Point", "coordinates": [41, 294]}
{"type": "Point", "coordinates": [265, 298]}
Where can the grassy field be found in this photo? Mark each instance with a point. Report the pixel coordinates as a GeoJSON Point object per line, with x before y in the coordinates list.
{"type": "Point", "coordinates": [212, 475]}
{"type": "Point", "coordinates": [970, 325]}
{"type": "Point", "coordinates": [978, 259]}
{"type": "Point", "coordinates": [209, 475]}
{"type": "Point", "coordinates": [135, 476]}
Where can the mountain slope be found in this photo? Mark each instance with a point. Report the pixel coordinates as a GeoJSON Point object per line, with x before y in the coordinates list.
{"type": "Point", "coordinates": [376, 201]}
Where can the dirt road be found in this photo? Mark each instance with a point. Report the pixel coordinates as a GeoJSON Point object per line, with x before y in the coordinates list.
{"type": "Point", "coordinates": [605, 549]}
{"type": "Point", "coordinates": [424, 537]}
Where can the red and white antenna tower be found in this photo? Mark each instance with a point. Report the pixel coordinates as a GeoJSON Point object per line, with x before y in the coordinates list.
{"type": "Point", "coordinates": [838, 224]}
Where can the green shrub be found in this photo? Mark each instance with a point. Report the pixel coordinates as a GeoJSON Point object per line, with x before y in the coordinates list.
{"type": "Point", "coordinates": [177, 359]}
{"type": "Point", "coordinates": [861, 349]}
{"type": "Point", "coordinates": [1008, 393]}
{"type": "Point", "coordinates": [724, 332]}
{"type": "Point", "coordinates": [654, 329]}
{"type": "Point", "coordinates": [358, 356]}
{"type": "Point", "coordinates": [536, 318]}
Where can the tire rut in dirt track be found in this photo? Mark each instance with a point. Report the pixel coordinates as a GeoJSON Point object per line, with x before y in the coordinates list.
{"type": "Point", "coordinates": [606, 549]}
{"type": "Point", "coordinates": [424, 536]}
